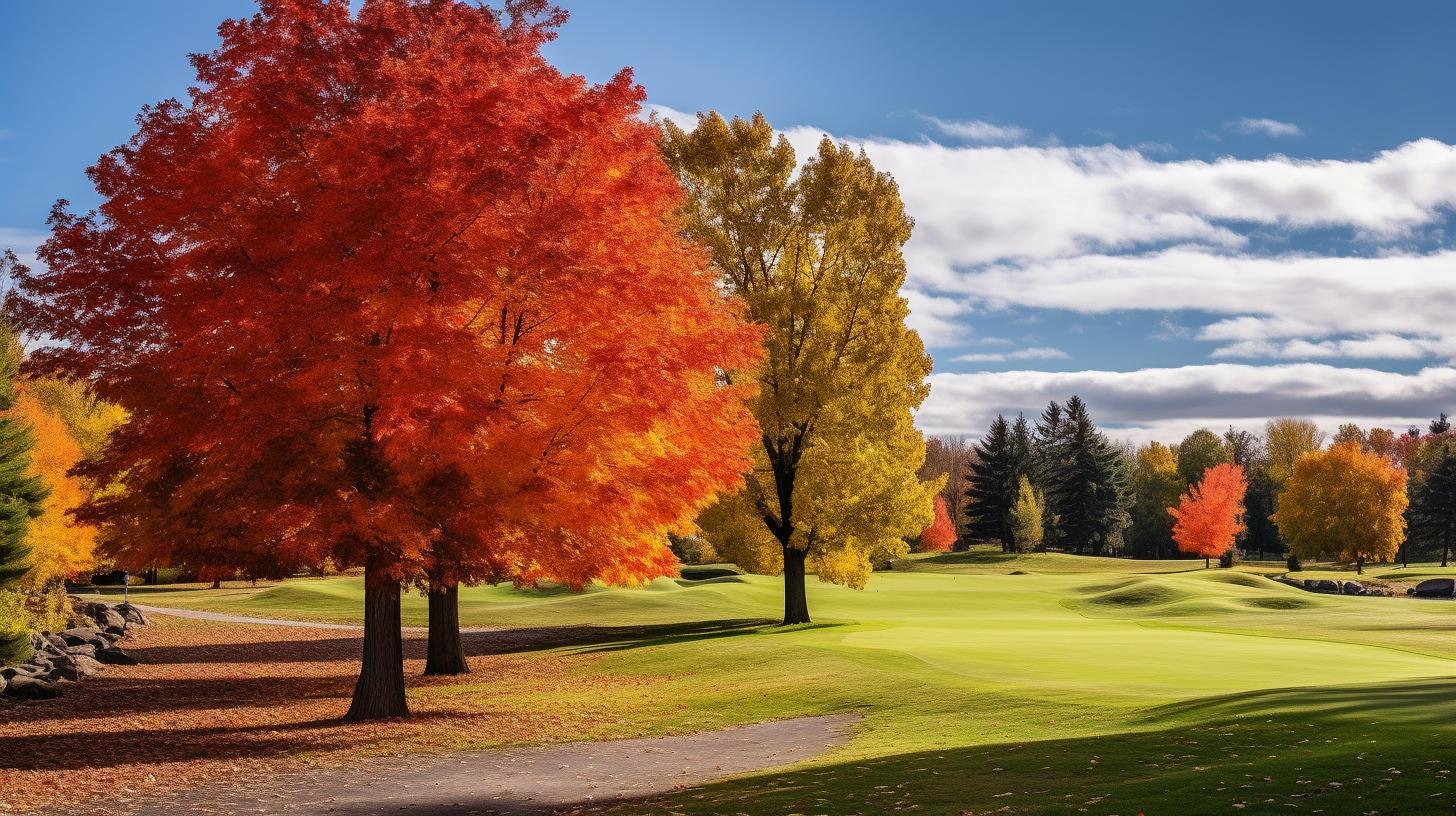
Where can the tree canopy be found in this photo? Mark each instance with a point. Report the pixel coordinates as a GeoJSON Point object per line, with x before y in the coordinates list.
{"type": "Point", "coordinates": [1344, 503]}
{"type": "Point", "coordinates": [388, 290]}
{"type": "Point", "coordinates": [1210, 515]}
{"type": "Point", "coordinates": [816, 257]}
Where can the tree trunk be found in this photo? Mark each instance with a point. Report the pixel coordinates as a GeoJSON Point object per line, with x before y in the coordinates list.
{"type": "Point", "coordinates": [444, 654]}
{"type": "Point", "coordinates": [1205, 562]}
{"type": "Point", "coordinates": [379, 694]}
{"type": "Point", "coordinates": [1445, 551]}
{"type": "Point", "coordinates": [796, 603]}
{"type": "Point", "coordinates": [1359, 566]}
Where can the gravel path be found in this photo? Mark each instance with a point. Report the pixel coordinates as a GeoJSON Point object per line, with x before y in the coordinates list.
{"type": "Point", "coordinates": [520, 781]}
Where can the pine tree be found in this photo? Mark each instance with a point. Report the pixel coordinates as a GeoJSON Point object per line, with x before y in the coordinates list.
{"type": "Point", "coordinates": [1088, 488]}
{"type": "Point", "coordinates": [1047, 466]}
{"type": "Point", "coordinates": [1432, 513]}
{"type": "Point", "coordinates": [999, 462]}
{"type": "Point", "coordinates": [21, 493]}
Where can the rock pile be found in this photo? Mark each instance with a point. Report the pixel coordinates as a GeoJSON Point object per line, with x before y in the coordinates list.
{"type": "Point", "coordinates": [1329, 587]}
{"type": "Point", "coordinates": [80, 651]}
{"type": "Point", "coordinates": [1434, 588]}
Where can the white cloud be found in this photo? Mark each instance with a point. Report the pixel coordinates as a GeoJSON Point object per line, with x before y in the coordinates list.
{"type": "Point", "coordinates": [23, 242]}
{"type": "Point", "coordinates": [1033, 353]}
{"type": "Point", "coordinates": [977, 130]}
{"type": "Point", "coordinates": [686, 121]}
{"type": "Point", "coordinates": [1264, 127]}
{"type": "Point", "coordinates": [1167, 403]}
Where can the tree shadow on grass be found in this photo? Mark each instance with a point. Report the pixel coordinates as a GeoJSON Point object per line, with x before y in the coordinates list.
{"type": "Point", "coordinates": [1387, 748]}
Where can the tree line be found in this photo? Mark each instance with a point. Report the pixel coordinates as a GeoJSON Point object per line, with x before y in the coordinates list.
{"type": "Point", "coordinates": [1371, 495]}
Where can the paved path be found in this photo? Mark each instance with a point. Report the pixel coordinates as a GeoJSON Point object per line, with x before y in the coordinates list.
{"type": "Point", "coordinates": [519, 781]}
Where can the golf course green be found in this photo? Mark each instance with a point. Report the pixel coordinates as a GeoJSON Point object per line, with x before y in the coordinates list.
{"type": "Point", "coordinates": [1011, 684]}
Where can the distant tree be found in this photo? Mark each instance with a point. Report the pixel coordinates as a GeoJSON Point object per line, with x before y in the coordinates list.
{"type": "Point", "coordinates": [991, 489]}
{"type": "Point", "coordinates": [1440, 424]}
{"type": "Point", "coordinates": [1382, 441]}
{"type": "Point", "coordinates": [1350, 432]}
{"type": "Point", "coordinates": [1285, 441]}
{"type": "Point", "coordinates": [1027, 528]}
{"type": "Point", "coordinates": [1432, 512]}
{"type": "Point", "coordinates": [1243, 448]}
{"type": "Point", "coordinates": [22, 495]}
{"type": "Point", "coordinates": [1344, 503]}
{"type": "Point", "coordinates": [1261, 534]}
{"type": "Point", "coordinates": [941, 534]}
{"type": "Point", "coordinates": [1210, 515]}
{"type": "Point", "coordinates": [949, 456]}
{"type": "Point", "coordinates": [1198, 452]}
{"type": "Point", "coordinates": [1155, 487]}
{"type": "Point", "coordinates": [1048, 461]}
{"type": "Point", "coordinates": [1087, 487]}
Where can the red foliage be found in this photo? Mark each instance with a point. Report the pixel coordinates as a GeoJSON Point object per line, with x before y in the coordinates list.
{"type": "Point", "coordinates": [941, 534]}
{"type": "Point", "coordinates": [390, 287]}
{"type": "Point", "coordinates": [1210, 514]}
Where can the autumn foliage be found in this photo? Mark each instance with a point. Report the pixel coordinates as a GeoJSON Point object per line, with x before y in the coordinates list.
{"type": "Point", "coordinates": [391, 291]}
{"type": "Point", "coordinates": [941, 534]}
{"type": "Point", "coordinates": [1210, 514]}
{"type": "Point", "coordinates": [1344, 503]}
{"type": "Point", "coordinates": [60, 547]}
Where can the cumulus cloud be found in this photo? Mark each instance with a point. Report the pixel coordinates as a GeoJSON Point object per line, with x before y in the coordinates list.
{"type": "Point", "coordinates": [1167, 403]}
{"type": "Point", "coordinates": [1264, 127]}
{"type": "Point", "coordinates": [1102, 229]}
{"type": "Point", "coordinates": [1033, 353]}
{"type": "Point", "coordinates": [977, 130]}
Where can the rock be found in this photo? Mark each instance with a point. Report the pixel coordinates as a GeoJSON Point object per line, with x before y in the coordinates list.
{"type": "Point", "coordinates": [104, 615]}
{"type": "Point", "coordinates": [65, 671]}
{"type": "Point", "coordinates": [132, 614]}
{"type": "Point", "coordinates": [115, 657]}
{"type": "Point", "coordinates": [83, 635]}
{"type": "Point", "coordinates": [31, 688]}
{"type": "Point", "coordinates": [88, 666]}
{"type": "Point", "coordinates": [1435, 588]}
{"type": "Point", "coordinates": [1327, 586]}
{"type": "Point", "coordinates": [82, 650]}
{"type": "Point", "coordinates": [1352, 588]}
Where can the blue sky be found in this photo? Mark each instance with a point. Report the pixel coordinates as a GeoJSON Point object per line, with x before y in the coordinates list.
{"type": "Point", "coordinates": [1189, 213]}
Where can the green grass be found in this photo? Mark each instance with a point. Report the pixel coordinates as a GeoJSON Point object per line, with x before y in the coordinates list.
{"type": "Point", "coordinates": [1118, 688]}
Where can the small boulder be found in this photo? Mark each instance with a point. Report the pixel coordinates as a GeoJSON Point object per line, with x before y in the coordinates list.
{"type": "Point", "coordinates": [31, 688]}
{"type": "Point", "coordinates": [80, 635]}
{"type": "Point", "coordinates": [132, 614]}
{"type": "Point", "coordinates": [82, 650]}
{"type": "Point", "coordinates": [115, 657]}
{"type": "Point", "coordinates": [1352, 588]}
{"type": "Point", "coordinates": [1435, 588]}
{"type": "Point", "coordinates": [1327, 586]}
{"type": "Point", "coordinates": [88, 666]}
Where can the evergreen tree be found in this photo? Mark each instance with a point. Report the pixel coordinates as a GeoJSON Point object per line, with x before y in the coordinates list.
{"type": "Point", "coordinates": [1440, 424]}
{"type": "Point", "coordinates": [1088, 488]}
{"type": "Point", "coordinates": [1046, 465]}
{"type": "Point", "coordinates": [21, 494]}
{"type": "Point", "coordinates": [1000, 460]}
{"type": "Point", "coordinates": [1432, 512]}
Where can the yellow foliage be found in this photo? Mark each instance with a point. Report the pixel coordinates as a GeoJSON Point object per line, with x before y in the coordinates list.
{"type": "Point", "coordinates": [59, 546]}
{"type": "Point", "coordinates": [1344, 503]}
{"type": "Point", "coordinates": [816, 258]}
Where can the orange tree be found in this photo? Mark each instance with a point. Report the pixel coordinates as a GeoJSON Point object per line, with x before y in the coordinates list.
{"type": "Point", "coordinates": [1210, 514]}
{"type": "Point", "coordinates": [389, 290]}
{"type": "Point", "coordinates": [1344, 503]}
{"type": "Point", "coordinates": [940, 535]}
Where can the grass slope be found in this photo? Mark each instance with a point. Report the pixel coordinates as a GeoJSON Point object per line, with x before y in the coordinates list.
{"type": "Point", "coordinates": [1117, 688]}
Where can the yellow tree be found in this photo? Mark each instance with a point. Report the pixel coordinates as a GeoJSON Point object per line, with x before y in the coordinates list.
{"type": "Point", "coordinates": [1344, 503]}
{"type": "Point", "coordinates": [1027, 514]}
{"type": "Point", "coordinates": [1286, 440]}
{"type": "Point", "coordinates": [60, 547]}
{"type": "Point", "coordinates": [816, 256]}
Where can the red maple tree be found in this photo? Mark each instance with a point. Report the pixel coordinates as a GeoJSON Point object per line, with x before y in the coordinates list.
{"type": "Point", "coordinates": [1210, 514]}
{"type": "Point", "coordinates": [391, 291]}
{"type": "Point", "coordinates": [941, 534]}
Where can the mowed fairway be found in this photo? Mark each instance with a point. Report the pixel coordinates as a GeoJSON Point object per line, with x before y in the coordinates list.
{"type": "Point", "coordinates": [1034, 684]}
